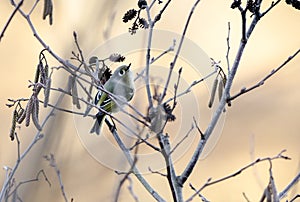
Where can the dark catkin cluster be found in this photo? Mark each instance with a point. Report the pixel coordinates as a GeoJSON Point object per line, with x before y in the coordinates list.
{"type": "Point", "coordinates": [99, 65]}
{"type": "Point", "coordinates": [48, 10]}
{"type": "Point", "coordinates": [42, 80]}
{"type": "Point", "coordinates": [106, 75]}
{"type": "Point", "coordinates": [235, 4]}
{"type": "Point", "coordinates": [143, 23]}
{"type": "Point", "coordinates": [168, 110]}
{"type": "Point", "coordinates": [116, 57]}
{"type": "Point", "coordinates": [142, 4]}
{"type": "Point", "coordinates": [134, 14]}
{"type": "Point", "coordinates": [129, 15]}
{"type": "Point", "coordinates": [251, 6]}
{"type": "Point", "coordinates": [294, 3]}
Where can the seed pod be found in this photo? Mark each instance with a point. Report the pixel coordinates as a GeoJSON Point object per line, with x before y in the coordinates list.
{"type": "Point", "coordinates": [21, 115]}
{"type": "Point", "coordinates": [89, 97]}
{"type": "Point", "coordinates": [70, 83]}
{"type": "Point", "coordinates": [28, 111]}
{"type": "Point", "coordinates": [13, 126]}
{"type": "Point", "coordinates": [48, 9]}
{"type": "Point", "coordinates": [37, 88]}
{"type": "Point", "coordinates": [87, 111]}
{"type": "Point", "coordinates": [75, 94]}
{"type": "Point", "coordinates": [116, 57]}
{"type": "Point", "coordinates": [220, 90]}
{"type": "Point", "coordinates": [35, 113]}
{"type": "Point", "coordinates": [213, 92]}
{"type": "Point", "coordinates": [47, 92]}
{"type": "Point", "coordinates": [46, 69]}
{"type": "Point", "coordinates": [37, 73]}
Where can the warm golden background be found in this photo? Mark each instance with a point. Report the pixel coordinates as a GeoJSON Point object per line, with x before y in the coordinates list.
{"type": "Point", "coordinates": [264, 121]}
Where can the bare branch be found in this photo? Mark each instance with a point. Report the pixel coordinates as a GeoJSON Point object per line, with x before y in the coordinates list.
{"type": "Point", "coordinates": [148, 55]}
{"type": "Point", "coordinates": [36, 138]}
{"type": "Point", "coordinates": [157, 172]}
{"type": "Point", "coordinates": [135, 171]}
{"type": "Point", "coordinates": [10, 18]}
{"type": "Point", "coordinates": [261, 82]}
{"type": "Point", "coordinates": [182, 140]}
{"type": "Point", "coordinates": [50, 158]}
{"type": "Point", "coordinates": [158, 16]}
{"type": "Point", "coordinates": [295, 197]}
{"type": "Point", "coordinates": [175, 187]}
{"type": "Point", "coordinates": [189, 168]}
{"type": "Point", "coordinates": [200, 195]}
{"type": "Point", "coordinates": [259, 160]}
{"type": "Point", "coordinates": [170, 49]}
{"type": "Point", "coordinates": [289, 186]}
{"type": "Point", "coordinates": [130, 188]}
{"type": "Point", "coordinates": [126, 176]}
{"type": "Point", "coordinates": [272, 6]}
{"type": "Point", "coordinates": [245, 197]}
{"type": "Point", "coordinates": [172, 64]}
{"type": "Point", "coordinates": [191, 86]}
{"type": "Point", "coordinates": [41, 172]}
{"type": "Point", "coordinates": [228, 48]}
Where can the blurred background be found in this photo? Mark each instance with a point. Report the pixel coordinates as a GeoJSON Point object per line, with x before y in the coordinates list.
{"type": "Point", "coordinates": [259, 124]}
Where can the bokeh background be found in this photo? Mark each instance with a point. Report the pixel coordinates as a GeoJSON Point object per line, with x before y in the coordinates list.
{"type": "Point", "coordinates": [259, 124]}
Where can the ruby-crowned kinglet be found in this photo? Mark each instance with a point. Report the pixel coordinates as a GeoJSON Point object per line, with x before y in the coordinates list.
{"type": "Point", "coordinates": [121, 85]}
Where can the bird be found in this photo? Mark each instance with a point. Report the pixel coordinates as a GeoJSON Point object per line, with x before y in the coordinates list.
{"type": "Point", "coordinates": [121, 86]}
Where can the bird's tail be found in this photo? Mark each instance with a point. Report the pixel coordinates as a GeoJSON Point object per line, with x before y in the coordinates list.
{"type": "Point", "coordinates": [98, 123]}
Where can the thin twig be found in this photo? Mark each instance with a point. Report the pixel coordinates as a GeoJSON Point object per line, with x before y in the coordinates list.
{"type": "Point", "coordinates": [194, 159]}
{"type": "Point", "coordinates": [175, 187]}
{"type": "Point", "coordinates": [289, 186]}
{"type": "Point", "coordinates": [33, 7]}
{"type": "Point", "coordinates": [272, 6]}
{"type": "Point", "coordinates": [191, 86]}
{"type": "Point", "coordinates": [148, 55]}
{"type": "Point", "coordinates": [295, 197]}
{"type": "Point", "coordinates": [135, 170]}
{"type": "Point", "coordinates": [158, 16]}
{"type": "Point", "coordinates": [157, 172]}
{"type": "Point", "coordinates": [259, 160]}
{"type": "Point", "coordinates": [36, 138]}
{"type": "Point", "coordinates": [228, 48]}
{"type": "Point", "coordinates": [172, 64]}
{"type": "Point", "coordinates": [31, 180]}
{"type": "Point", "coordinates": [182, 140]}
{"type": "Point", "coordinates": [245, 197]}
{"type": "Point", "coordinates": [261, 82]}
{"type": "Point", "coordinates": [154, 59]}
{"type": "Point", "coordinates": [126, 176]}
{"type": "Point", "coordinates": [170, 49]}
{"type": "Point", "coordinates": [200, 195]}
{"type": "Point", "coordinates": [151, 4]}
{"type": "Point", "coordinates": [50, 158]}
{"type": "Point", "coordinates": [130, 188]}
{"type": "Point", "coordinates": [10, 18]}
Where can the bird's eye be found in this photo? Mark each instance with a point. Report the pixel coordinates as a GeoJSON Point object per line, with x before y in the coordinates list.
{"type": "Point", "coordinates": [122, 72]}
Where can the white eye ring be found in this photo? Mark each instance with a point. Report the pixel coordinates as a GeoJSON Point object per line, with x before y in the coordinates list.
{"type": "Point", "coordinates": [122, 72]}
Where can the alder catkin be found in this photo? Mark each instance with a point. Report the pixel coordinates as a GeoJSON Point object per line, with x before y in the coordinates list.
{"type": "Point", "coordinates": [47, 92]}
{"type": "Point", "coordinates": [220, 89]}
{"type": "Point", "coordinates": [75, 94]}
{"type": "Point", "coordinates": [13, 125]}
{"type": "Point", "coordinates": [35, 113]}
{"type": "Point", "coordinates": [213, 92]}
{"type": "Point", "coordinates": [70, 84]}
{"type": "Point", "coordinates": [28, 111]}
{"type": "Point", "coordinates": [37, 73]}
{"type": "Point", "coordinates": [21, 115]}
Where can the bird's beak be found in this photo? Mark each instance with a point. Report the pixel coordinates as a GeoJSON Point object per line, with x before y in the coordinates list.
{"type": "Point", "coordinates": [128, 67]}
